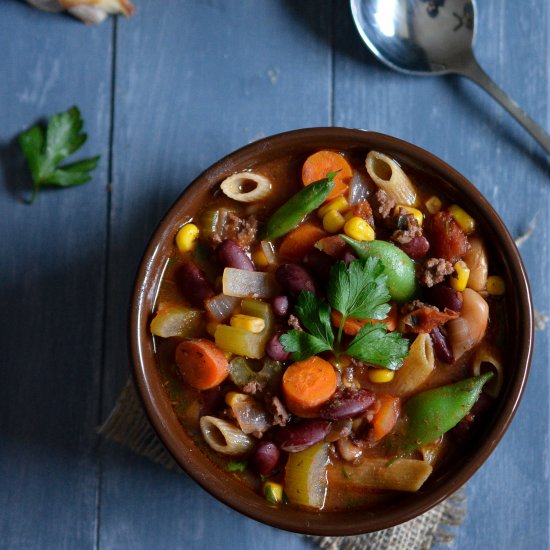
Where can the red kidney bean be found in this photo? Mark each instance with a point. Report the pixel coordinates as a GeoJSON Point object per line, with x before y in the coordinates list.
{"type": "Point", "coordinates": [416, 247]}
{"type": "Point", "coordinates": [297, 437]}
{"type": "Point", "coordinates": [230, 254]}
{"type": "Point", "coordinates": [265, 458]}
{"type": "Point", "coordinates": [193, 284]}
{"type": "Point", "coordinates": [280, 305]}
{"type": "Point", "coordinates": [441, 346]}
{"type": "Point", "coordinates": [275, 349]}
{"type": "Point", "coordinates": [443, 296]}
{"type": "Point", "coordinates": [319, 263]}
{"type": "Point", "coordinates": [347, 404]}
{"type": "Point", "coordinates": [294, 278]}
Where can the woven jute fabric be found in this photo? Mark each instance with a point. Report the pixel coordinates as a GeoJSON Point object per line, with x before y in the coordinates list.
{"type": "Point", "coordinates": [128, 425]}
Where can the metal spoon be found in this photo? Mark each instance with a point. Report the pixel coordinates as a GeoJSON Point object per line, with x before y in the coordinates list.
{"type": "Point", "coordinates": [432, 37]}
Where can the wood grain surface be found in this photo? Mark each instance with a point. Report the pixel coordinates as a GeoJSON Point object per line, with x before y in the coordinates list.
{"type": "Point", "coordinates": [163, 95]}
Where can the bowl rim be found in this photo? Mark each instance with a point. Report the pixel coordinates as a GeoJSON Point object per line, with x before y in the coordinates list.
{"type": "Point", "coordinates": [291, 519]}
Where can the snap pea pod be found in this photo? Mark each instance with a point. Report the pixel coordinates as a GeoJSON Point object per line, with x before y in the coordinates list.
{"type": "Point", "coordinates": [399, 270]}
{"type": "Point", "coordinates": [292, 212]}
{"type": "Point", "coordinates": [434, 412]}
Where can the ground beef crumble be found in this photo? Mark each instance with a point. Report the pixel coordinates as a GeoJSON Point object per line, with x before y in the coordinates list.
{"type": "Point", "coordinates": [278, 411]}
{"type": "Point", "coordinates": [294, 322]}
{"type": "Point", "coordinates": [241, 230]}
{"type": "Point", "coordinates": [253, 387]}
{"type": "Point", "coordinates": [434, 271]}
{"type": "Point", "coordinates": [383, 204]}
{"type": "Point", "coordinates": [408, 230]}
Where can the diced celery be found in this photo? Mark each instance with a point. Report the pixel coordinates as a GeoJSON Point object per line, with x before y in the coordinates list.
{"type": "Point", "coordinates": [306, 476]}
{"type": "Point", "coordinates": [239, 341]}
{"type": "Point", "coordinates": [177, 321]}
{"type": "Point", "coordinates": [242, 371]}
{"type": "Point", "coordinates": [243, 342]}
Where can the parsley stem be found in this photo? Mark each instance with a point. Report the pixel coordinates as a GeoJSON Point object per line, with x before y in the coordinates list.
{"type": "Point", "coordinates": [339, 337]}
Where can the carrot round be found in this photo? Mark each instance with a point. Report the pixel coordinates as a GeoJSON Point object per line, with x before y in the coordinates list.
{"type": "Point", "coordinates": [201, 363]}
{"type": "Point", "coordinates": [307, 385]}
{"type": "Point", "coordinates": [385, 418]}
{"type": "Point", "coordinates": [318, 165]}
{"type": "Point", "coordinates": [296, 244]}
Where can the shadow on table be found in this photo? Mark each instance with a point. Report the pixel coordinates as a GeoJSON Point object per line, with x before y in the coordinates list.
{"type": "Point", "coordinates": [17, 178]}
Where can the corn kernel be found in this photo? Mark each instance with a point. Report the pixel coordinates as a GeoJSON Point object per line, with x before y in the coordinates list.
{"type": "Point", "coordinates": [186, 237]}
{"type": "Point", "coordinates": [247, 322]}
{"type": "Point", "coordinates": [333, 221]}
{"type": "Point", "coordinates": [459, 279]}
{"type": "Point", "coordinates": [259, 258]}
{"type": "Point", "coordinates": [418, 216]}
{"type": "Point", "coordinates": [233, 397]}
{"type": "Point", "coordinates": [273, 492]}
{"type": "Point", "coordinates": [463, 219]}
{"type": "Point", "coordinates": [339, 205]}
{"type": "Point", "coordinates": [381, 376]}
{"type": "Point", "coordinates": [495, 285]}
{"type": "Point", "coordinates": [433, 204]}
{"type": "Point", "coordinates": [358, 229]}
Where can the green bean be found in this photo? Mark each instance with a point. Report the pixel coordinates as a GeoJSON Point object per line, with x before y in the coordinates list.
{"type": "Point", "coordinates": [292, 212]}
{"type": "Point", "coordinates": [434, 412]}
{"type": "Point", "coordinates": [399, 267]}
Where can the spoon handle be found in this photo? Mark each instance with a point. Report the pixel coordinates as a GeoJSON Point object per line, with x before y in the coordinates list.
{"type": "Point", "coordinates": [473, 70]}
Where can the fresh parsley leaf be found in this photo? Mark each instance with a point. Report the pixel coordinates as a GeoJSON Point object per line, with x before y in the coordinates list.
{"type": "Point", "coordinates": [373, 344]}
{"type": "Point", "coordinates": [46, 150]}
{"type": "Point", "coordinates": [303, 345]}
{"type": "Point", "coordinates": [359, 290]}
{"type": "Point", "coordinates": [315, 316]}
{"type": "Point", "coordinates": [236, 466]}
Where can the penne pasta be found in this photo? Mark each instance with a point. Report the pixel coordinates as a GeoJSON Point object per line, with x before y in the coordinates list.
{"type": "Point", "coordinates": [246, 187]}
{"type": "Point", "coordinates": [389, 176]}
{"type": "Point", "coordinates": [224, 437]}
{"type": "Point", "coordinates": [487, 359]}
{"type": "Point", "coordinates": [403, 474]}
{"type": "Point", "coordinates": [416, 367]}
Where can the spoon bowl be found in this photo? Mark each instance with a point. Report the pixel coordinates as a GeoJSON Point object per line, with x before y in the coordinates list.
{"type": "Point", "coordinates": [432, 38]}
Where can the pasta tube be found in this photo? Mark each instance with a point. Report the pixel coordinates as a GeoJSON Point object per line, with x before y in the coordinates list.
{"type": "Point", "coordinates": [224, 437]}
{"type": "Point", "coordinates": [389, 176]}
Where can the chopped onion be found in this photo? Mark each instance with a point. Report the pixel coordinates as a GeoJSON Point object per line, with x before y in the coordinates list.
{"type": "Point", "coordinates": [235, 187]}
{"type": "Point", "coordinates": [358, 189]}
{"type": "Point", "coordinates": [248, 284]}
{"type": "Point", "coordinates": [269, 252]}
{"type": "Point", "coordinates": [221, 307]}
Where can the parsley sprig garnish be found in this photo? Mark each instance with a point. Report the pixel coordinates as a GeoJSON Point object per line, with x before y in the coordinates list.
{"type": "Point", "coordinates": [359, 291]}
{"type": "Point", "coordinates": [46, 150]}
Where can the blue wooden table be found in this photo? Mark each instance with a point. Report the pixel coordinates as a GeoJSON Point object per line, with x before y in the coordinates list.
{"type": "Point", "coordinates": [164, 94]}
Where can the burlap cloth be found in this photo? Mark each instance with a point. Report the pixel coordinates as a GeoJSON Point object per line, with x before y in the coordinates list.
{"type": "Point", "coordinates": [128, 425]}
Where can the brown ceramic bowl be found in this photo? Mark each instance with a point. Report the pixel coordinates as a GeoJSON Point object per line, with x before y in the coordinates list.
{"type": "Point", "coordinates": [225, 486]}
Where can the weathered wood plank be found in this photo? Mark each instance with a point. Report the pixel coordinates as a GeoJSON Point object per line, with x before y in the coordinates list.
{"type": "Point", "coordinates": [51, 290]}
{"type": "Point", "coordinates": [195, 80]}
{"type": "Point", "coordinates": [458, 122]}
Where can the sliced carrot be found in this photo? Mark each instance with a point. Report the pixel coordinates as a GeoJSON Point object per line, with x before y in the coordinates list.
{"type": "Point", "coordinates": [385, 417]}
{"type": "Point", "coordinates": [296, 244]}
{"type": "Point", "coordinates": [307, 385]}
{"type": "Point", "coordinates": [352, 325]}
{"type": "Point", "coordinates": [318, 165]}
{"type": "Point", "coordinates": [333, 246]}
{"type": "Point", "coordinates": [201, 363]}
